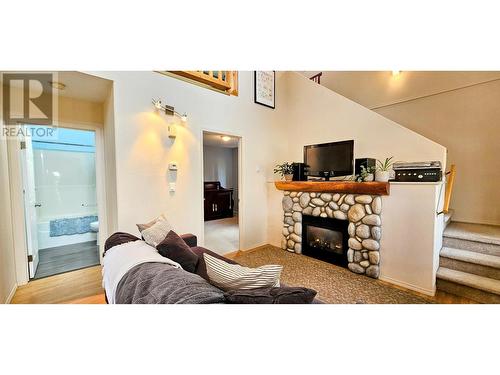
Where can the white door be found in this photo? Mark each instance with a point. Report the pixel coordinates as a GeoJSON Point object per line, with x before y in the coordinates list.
{"type": "Point", "coordinates": [30, 204]}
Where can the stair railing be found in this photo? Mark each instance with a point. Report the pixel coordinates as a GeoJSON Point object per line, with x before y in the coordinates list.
{"type": "Point", "coordinates": [222, 80]}
{"type": "Point", "coordinates": [317, 78]}
{"type": "Point", "coordinates": [450, 181]}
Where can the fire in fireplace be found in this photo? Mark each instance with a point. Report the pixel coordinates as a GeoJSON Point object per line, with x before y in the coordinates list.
{"type": "Point", "coordinates": [325, 239]}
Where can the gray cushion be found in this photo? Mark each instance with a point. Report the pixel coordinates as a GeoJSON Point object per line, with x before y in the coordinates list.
{"type": "Point", "coordinates": [282, 295]}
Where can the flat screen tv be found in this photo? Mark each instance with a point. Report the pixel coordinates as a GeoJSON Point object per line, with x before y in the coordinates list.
{"type": "Point", "coordinates": [329, 159]}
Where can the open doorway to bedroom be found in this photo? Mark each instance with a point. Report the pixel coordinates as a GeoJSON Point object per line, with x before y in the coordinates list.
{"type": "Point", "coordinates": [221, 191]}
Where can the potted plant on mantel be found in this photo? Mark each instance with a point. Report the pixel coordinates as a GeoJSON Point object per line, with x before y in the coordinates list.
{"type": "Point", "coordinates": [285, 170]}
{"type": "Point", "coordinates": [383, 170]}
{"type": "Point", "coordinates": [366, 174]}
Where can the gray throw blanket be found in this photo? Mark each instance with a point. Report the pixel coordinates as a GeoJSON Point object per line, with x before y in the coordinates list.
{"type": "Point", "coordinates": [153, 283]}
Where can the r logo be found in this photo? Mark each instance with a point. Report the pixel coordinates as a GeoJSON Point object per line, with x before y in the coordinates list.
{"type": "Point", "coordinates": [27, 98]}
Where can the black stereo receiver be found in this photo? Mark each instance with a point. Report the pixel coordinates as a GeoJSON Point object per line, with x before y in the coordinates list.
{"type": "Point", "coordinates": [417, 175]}
{"type": "Point", "coordinates": [418, 172]}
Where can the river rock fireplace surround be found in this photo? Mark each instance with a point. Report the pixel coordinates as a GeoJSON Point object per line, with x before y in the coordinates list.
{"type": "Point", "coordinates": [362, 212]}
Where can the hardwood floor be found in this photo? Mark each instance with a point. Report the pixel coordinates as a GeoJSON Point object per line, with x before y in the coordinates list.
{"type": "Point", "coordinates": [439, 297]}
{"type": "Point", "coordinates": [56, 260]}
{"type": "Point", "coordinates": [98, 299]}
{"type": "Point", "coordinates": [85, 287]}
{"type": "Point", "coordinates": [76, 285]}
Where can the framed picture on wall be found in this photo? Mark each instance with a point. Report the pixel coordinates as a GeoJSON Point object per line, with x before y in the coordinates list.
{"type": "Point", "coordinates": [265, 87]}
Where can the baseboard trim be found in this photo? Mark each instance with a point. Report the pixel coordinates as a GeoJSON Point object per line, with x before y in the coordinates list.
{"type": "Point", "coordinates": [234, 254]}
{"type": "Point", "coordinates": [390, 280]}
{"type": "Point", "coordinates": [11, 294]}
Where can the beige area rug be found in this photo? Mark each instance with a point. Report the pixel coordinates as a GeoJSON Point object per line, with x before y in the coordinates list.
{"type": "Point", "coordinates": [334, 284]}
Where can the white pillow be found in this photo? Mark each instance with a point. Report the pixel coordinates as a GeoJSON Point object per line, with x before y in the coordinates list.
{"type": "Point", "coordinates": [156, 232]}
{"type": "Point", "coordinates": [233, 276]}
{"type": "Point", "coordinates": [142, 227]}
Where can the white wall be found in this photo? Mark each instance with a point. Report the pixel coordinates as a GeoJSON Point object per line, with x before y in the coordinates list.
{"type": "Point", "coordinates": [411, 235]}
{"type": "Point", "coordinates": [218, 165]}
{"type": "Point", "coordinates": [110, 166]}
{"type": "Point", "coordinates": [7, 263]}
{"type": "Point", "coordinates": [8, 279]}
{"type": "Point", "coordinates": [316, 114]}
{"type": "Point", "coordinates": [143, 150]}
{"type": "Point", "coordinates": [236, 189]}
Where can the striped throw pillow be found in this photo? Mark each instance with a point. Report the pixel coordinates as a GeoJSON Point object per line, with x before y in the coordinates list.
{"type": "Point", "coordinates": [233, 276]}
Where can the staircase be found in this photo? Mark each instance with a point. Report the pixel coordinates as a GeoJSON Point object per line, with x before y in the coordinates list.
{"type": "Point", "coordinates": [469, 262]}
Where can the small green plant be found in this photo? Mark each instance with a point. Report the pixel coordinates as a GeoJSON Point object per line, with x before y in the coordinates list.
{"type": "Point", "coordinates": [385, 165]}
{"type": "Point", "coordinates": [365, 172]}
{"type": "Point", "coordinates": [284, 169]}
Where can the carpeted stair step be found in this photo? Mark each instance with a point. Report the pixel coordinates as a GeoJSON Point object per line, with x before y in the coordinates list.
{"type": "Point", "coordinates": [470, 262]}
{"type": "Point", "coordinates": [478, 288]}
{"type": "Point", "coordinates": [478, 247]}
{"type": "Point", "coordinates": [479, 238]}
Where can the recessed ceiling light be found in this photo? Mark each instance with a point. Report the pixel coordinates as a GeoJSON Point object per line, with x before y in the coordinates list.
{"type": "Point", "coordinates": [226, 138]}
{"type": "Point", "coordinates": [57, 85]}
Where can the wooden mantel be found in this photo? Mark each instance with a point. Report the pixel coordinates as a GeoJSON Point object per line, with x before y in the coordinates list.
{"type": "Point", "coordinates": [372, 188]}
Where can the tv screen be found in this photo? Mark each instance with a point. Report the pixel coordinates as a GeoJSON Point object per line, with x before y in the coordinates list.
{"type": "Point", "coordinates": [329, 159]}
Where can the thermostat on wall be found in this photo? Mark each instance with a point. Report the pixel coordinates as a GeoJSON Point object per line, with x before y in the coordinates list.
{"type": "Point", "coordinates": [172, 131]}
{"type": "Point", "coordinates": [173, 166]}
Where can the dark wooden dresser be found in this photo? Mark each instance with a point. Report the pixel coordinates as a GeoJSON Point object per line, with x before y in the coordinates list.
{"type": "Point", "coordinates": [218, 201]}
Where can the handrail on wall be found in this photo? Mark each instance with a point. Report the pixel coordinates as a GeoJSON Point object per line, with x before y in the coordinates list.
{"type": "Point", "coordinates": [449, 188]}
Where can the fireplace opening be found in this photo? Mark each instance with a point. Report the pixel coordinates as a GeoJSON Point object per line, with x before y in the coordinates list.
{"type": "Point", "coordinates": [325, 239]}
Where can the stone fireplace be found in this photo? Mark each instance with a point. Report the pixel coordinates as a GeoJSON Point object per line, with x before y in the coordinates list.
{"type": "Point", "coordinates": [359, 246]}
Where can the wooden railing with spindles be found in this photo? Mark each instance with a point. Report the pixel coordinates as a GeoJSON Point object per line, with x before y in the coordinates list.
{"type": "Point", "coordinates": [317, 78]}
{"type": "Point", "coordinates": [223, 80]}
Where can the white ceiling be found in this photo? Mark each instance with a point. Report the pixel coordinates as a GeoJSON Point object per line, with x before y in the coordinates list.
{"type": "Point", "coordinates": [215, 140]}
{"type": "Point", "coordinates": [376, 89]}
{"type": "Point", "coordinates": [82, 86]}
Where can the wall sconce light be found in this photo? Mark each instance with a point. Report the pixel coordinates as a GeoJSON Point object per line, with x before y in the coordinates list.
{"type": "Point", "coordinates": [169, 110]}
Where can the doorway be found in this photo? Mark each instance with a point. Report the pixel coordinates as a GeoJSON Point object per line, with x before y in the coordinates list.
{"type": "Point", "coordinates": [60, 200]}
{"type": "Point", "coordinates": [221, 191]}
